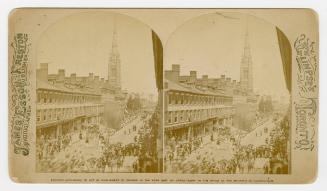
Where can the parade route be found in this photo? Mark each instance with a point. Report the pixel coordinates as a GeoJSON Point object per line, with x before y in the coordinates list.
{"type": "Point", "coordinates": [222, 148]}
{"type": "Point", "coordinates": [86, 149]}
{"type": "Point", "coordinates": [209, 150]}
{"type": "Point", "coordinates": [126, 134]}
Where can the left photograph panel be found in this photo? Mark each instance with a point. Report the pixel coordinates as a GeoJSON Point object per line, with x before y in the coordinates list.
{"type": "Point", "coordinates": [97, 95]}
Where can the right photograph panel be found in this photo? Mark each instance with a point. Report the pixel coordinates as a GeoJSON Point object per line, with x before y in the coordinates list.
{"type": "Point", "coordinates": [227, 92]}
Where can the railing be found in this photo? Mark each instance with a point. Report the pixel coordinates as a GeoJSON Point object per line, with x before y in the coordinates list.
{"type": "Point", "coordinates": [197, 107]}
{"type": "Point", "coordinates": [68, 115]}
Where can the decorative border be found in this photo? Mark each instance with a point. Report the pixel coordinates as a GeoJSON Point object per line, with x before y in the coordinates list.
{"type": "Point", "coordinates": [307, 105]}
{"type": "Point", "coordinates": [19, 96]}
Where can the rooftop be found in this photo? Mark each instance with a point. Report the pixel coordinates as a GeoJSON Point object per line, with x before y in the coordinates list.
{"type": "Point", "coordinates": [192, 89]}
{"type": "Point", "coordinates": [61, 88]}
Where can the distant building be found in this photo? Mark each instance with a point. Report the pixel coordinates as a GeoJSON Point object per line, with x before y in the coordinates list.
{"type": "Point", "coordinates": [114, 71]}
{"type": "Point", "coordinates": [195, 105]}
{"type": "Point", "coordinates": [222, 84]}
{"type": "Point", "coordinates": [246, 69]}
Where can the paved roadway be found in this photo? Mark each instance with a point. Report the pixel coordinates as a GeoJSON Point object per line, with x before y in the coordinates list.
{"type": "Point", "coordinates": [209, 150]}
{"type": "Point", "coordinates": [126, 135]}
{"type": "Point", "coordinates": [258, 136]}
{"type": "Point", "coordinates": [81, 149]}
{"type": "Point", "coordinates": [215, 152]}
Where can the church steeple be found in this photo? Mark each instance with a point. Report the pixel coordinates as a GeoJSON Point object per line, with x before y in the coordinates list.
{"type": "Point", "coordinates": [246, 73]}
{"type": "Point", "coordinates": [114, 45]}
{"type": "Point", "coordinates": [114, 61]}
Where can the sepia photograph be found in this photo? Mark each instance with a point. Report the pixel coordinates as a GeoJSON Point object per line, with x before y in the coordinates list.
{"type": "Point", "coordinates": [96, 111]}
{"type": "Point", "coordinates": [227, 97]}
{"type": "Point", "coordinates": [163, 96]}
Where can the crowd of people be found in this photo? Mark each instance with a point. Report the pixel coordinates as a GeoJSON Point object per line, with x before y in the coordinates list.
{"type": "Point", "coordinates": [47, 147]}
{"type": "Point", "coordinates": [94, 152]}
{"type": "Point", "coordinates": [249, 159]}
{"type": "Point", "coordinates": [182, 150]}
{"type": "Point", "coordinates": [51, 151]}
{"type": "Point", "coordinates": [243, 161]}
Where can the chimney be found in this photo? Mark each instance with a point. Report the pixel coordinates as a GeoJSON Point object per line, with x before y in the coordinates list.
{"type": "Point", "coordinates": [173, 74]}
{"type": "Point", "coordinates": [193, 77]}
{"type": "Point", "coordinates": [90, 78]}
{"type": "Point", "coordinates": [175, 68]}
{"type": "Point", "coordinates": [205, 77]}
{"type": "Point", "coordinates": [42, 72]}
{"type": "Point", "coordinates": [204, 80]}
{"type": "Point", "coordinates": [73, 77]}
{"type": "Point", "coordinates": [44, 66]}
{"type": "Point", "coordinates": [193, 74]}
{"type": "Point", "coordinates": [97, 78]}
{"type": "Point", "coordinates": [61, 75]}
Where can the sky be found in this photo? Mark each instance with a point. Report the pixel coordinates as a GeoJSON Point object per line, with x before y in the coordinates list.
{"type": "Point", "coordinates": [81, 44]}
{"type": "Point", "coordinates": [213, 44]}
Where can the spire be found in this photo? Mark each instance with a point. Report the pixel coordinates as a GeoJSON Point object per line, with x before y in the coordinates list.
{"type": "Point", "coordinates": [114, 46]}
{"type": "Point", "coordinates": [114, 61]}
{"type": "Point", "coordinates": [246, 77]}
{"type": "Point", "coordinates": [246, 39]}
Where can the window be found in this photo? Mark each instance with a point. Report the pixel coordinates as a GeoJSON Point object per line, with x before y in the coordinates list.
{"type": "Point", "coordinates": [169, 98]}
{"type": "Point", "coordinates": [45, 115]}
{"type": "Point", "coordinates": [58, 114]}
{"type": "Point", "coordinates": [266, 130]}
{"type": "Point", "coordinates": [49, 115]}
{"type": "Point", "coordinates": [54, 114]}
{"type": "Point", "coordinates": [38, 97]}
{"type": "Point", "coordinates": [246, 74]}
{"type": "Point", "coordinates": [189, 114]}
{"type": "Point", "coordinates": [44, 98]}
{"type": "Point", "coordinates": [169, 116]}
{"type": "Point", "coordinates": [38, 116]}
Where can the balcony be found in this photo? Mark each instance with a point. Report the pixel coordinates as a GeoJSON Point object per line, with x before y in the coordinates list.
{"type": "Point", "coordinates": [196, 107]}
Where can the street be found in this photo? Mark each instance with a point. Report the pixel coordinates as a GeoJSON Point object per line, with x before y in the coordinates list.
{"type": "Point", "coordinates": [87, 150]}
{"type": "Point", "coordinates": [126, 134]}
{"type": "Point", "coordinates": [234, 153]}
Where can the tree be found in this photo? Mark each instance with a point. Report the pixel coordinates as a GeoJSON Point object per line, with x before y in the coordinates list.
{"type": "Point", "coordinates": [244, 117]}
{"type": "Point", "coordinates": [262, 105]}
{"type": "Point", "coordinates": [268, 104]}
{"type": "Point", "coordinates": [134, 103]}
{"type": "Point", "coordinates": [148, 142]}
{"type": "Point", "coordinates": [265, 105]}
{"type": "Point", "coordinates": [279, 137]}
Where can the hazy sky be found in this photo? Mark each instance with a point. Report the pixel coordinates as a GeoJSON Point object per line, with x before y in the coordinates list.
{"type": "Point", "coordinates": [213, 44]}
{"type": "Point", "coordinates": [81, 44]}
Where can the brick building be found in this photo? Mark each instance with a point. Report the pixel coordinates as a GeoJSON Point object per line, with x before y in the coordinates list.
{"type": "Point", "coordinates": [67, 104]}
{"type": "Point", "coordinates": [194, 107]}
